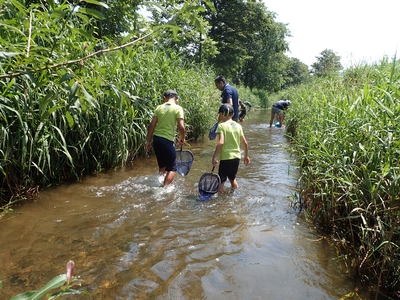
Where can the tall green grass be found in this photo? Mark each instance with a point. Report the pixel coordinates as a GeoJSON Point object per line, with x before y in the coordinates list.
{"type": "Point", "coordinates": [94, 119]}
{"type": "Point", "coordinates": [346, 133]}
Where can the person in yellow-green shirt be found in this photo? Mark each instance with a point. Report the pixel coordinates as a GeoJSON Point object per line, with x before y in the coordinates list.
{"type": "Point", "coordinates": [230, 136]}
{"type": "Point", "coordinates": [162, 130]}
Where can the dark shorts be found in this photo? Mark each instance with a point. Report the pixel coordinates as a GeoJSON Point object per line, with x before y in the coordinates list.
{"type": "Point", "coordinates": [165, 153]}
{"type": "Point", "coordinates": [242, 115]}
{"type": "Point", "coordinates": [228, 169]}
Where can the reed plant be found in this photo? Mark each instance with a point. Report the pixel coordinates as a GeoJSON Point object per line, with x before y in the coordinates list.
{"type": "Point", "coordinates": [94, 120]}
{"type": "Point", "coordinates": [346, 133]}
{"type": "Point", "coordinates": [64, 117]}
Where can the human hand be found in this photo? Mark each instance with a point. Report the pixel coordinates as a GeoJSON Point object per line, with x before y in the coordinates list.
{"type": "Point", "coordinates": [247, 160]}
{"type": "Point", "coordinates": [214, 161]}
{"type": "Point", "coordinates": [148, 146]}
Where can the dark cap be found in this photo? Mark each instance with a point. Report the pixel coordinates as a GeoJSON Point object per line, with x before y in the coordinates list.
{"type": "Point", "coordinates": [171, 94]}
{"type": "Point", "coordinates": [226, 109]}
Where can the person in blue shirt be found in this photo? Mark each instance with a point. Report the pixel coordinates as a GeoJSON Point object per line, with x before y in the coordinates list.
{"type": "Point", "coordinates": [277, 111]}
{"type": "Point", "coordinates": [229, 95]}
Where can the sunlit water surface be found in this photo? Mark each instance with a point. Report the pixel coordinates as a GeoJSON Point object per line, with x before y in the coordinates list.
{"type": "Point", "coordinates": [132, 239]}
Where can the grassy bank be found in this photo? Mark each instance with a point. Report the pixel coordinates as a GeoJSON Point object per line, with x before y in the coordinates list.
{"type": "Point", "coordinates": [346, 132]}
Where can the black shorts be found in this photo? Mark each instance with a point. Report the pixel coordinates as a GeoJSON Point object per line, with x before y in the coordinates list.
{"type": "Point", "coordinates": [165, 153]}
{"type": "Point", "coordinates": [228, 169]}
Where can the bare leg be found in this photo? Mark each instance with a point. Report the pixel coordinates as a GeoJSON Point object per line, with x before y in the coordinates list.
{"type": "Point", "coordinates": [221, 188]}
{"type": "Point", "coordinates": [234, 184]}
{"type": "Point", "coordinates": [271, 120]}
{"type": "Point", "coordinates": [169, 177]}
{"type": "Point", "coordinates": [280, 119]}
{"type": "Point", "coordinates": [162, 171]}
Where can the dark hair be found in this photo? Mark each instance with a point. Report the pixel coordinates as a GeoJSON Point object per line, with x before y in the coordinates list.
{"type": "Point", "coordinates": [220, 78]}
{"type": "Point", "coordinates": [171, 94]}
{"type": "Point", "coordinates": [226, 109]}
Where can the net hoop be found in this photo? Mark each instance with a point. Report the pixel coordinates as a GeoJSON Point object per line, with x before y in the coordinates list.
{"type": "Point", "coordinates": [208, 185]}
{"type": "Point", "coordinates": [184, 161]}
{"type": "Point", "coordinates": [212, 134]}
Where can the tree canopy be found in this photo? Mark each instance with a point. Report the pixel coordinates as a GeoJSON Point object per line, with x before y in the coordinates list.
{"type": "Point", "coordinates": [328, 63]}
{"type": "Point", "coordinates": [250, 43]}
{"type": "Point", "coordinates": [296, 72]}
{"type": "Point", "coordinates": [238, 39]}
{"type": "Point", "coordinates": [241, 39]}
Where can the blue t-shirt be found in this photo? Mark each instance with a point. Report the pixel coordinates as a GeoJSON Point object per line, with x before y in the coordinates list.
{"type": "Point", "coordinates": [281, 104]}
{"type": "Point", "coordinates": [230, 92]}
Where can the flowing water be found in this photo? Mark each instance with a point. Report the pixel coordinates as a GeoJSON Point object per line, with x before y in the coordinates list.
{"type": "Point", "coordinates": [132, 239]}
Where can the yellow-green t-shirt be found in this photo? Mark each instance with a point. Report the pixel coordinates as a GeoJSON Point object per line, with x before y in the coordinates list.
{"type": "Point", "coordinates": [167, 115]}
{"type": "Point", "coordinates": [232, 132]}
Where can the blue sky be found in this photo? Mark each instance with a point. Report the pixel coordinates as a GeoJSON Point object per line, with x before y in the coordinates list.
{"type": "Point", "coordinates": [358, 31]}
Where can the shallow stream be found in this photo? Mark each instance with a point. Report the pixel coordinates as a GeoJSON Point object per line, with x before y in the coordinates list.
{"type": "Point", "coordinates": [131, 239]}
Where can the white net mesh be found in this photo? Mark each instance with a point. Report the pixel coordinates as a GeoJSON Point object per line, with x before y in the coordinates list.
{"type": "Point", "coordinates": [184, 161]}
{"type": "Point", "coordinates": [209, 183]}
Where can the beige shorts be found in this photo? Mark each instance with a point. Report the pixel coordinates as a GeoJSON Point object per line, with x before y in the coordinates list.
{"type": "Point", "coordinates": [276, 110]}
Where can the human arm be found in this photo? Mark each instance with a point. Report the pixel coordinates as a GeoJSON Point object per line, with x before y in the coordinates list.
{"type": "Point", "coordinates": [150, 132]}
{"type": "Point", "coordinates": [181, 129]}
{"type": "Point", "coordinates": [218, 148]}
{"type": "Point", "coordinates": [246, 150]}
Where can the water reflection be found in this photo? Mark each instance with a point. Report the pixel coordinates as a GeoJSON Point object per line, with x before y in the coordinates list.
{"type": "Point", "coordinates": [132, 239]}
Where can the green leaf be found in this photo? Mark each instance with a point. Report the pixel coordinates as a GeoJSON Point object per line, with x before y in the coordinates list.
{"type": "Point", "coordinates": [9, 85]}
{"type": "Point", "coordinates": [85, 33]}
{"type": "Point", "coordinates": [24, 296]}
{"type": "Point", "coordinates": [68, 292]}
{"type": "Point", "coordinates": [22, 9]}
{"type": "Point", "coordinates": [56, 282]}
{"type": "Point", "coordinates": [210, 5]}
{"type": "Point", "coordinates": [30, 75]}
{"type": "Point", "coordinates": [59, 13]}
{"type": "Point", "coordinates": [96, 3]}
{"type": "Point", "coordinates": [88, 97]}
{"type": "Point", "coordinates": [69, 119]}
{"type": "Point", "coordinates": [51, 3]}
{"type": "Point", "coordinates": [65, 77]}
{"type": "Point", "coordinates": [174, 29]}
{"type": "Point", "coordinates": [66, 152]}
{"type": "Point", "coordinates": [92, 12]}
{"type": "Point", "coordinates": [83, 17]}
{"type": "Point", "coordinates": [4, 54]}
{"type": "Point", "coordinates": [74, 89]}
{"type": "Point", "coordinates": [43, 102]}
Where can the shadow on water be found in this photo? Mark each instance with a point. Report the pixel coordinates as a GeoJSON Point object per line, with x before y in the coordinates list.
{"type": "Point", "coordinates": [132, 239]}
